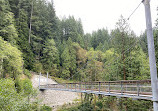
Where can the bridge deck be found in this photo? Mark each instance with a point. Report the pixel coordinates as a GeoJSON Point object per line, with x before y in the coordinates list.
{"type": "Point", "coordinates": [130, 89]}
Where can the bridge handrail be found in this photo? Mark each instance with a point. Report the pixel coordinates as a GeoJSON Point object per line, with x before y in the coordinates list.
{"type": "Point", "coordinates": [107, 82]}
{"type": "Point", "coordinates": [123, 81]}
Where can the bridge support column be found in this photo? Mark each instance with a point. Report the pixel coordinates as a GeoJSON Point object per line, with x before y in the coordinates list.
{"type": "Point", "coordinates": [151, 52]}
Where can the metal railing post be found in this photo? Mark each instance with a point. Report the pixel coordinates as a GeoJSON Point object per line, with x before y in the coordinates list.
{"type": "Point", "coordinates": [47, 79]}
{"type": "Point", "coordinates": [39, 79]}
{"type": "Point", "coordinates": [91, 86]}
{"type": "Point", "coordinates": [85, 86]}
{"type": "Point", "coordinates": [80, 86]}
{"type": "Point", "coordinates": [68, 86]}
{"type": "Point", "coordinates": [99, 86]}
{"type": "Point", "coordinates": [109, 87]}
{"type": "Point", "coordinates": [121, 88]}
{"type": "Point", "coordinates": [138, 88]}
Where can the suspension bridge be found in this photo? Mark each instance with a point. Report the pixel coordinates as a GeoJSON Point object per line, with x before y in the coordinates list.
{"type": "Point", "coordinates": [136, 89]}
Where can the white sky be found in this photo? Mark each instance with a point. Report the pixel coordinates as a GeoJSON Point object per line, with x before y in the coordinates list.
{"type": "Point", "coordinates": [96, 14]}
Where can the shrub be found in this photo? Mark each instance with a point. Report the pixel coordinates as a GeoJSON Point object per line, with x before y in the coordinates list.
{"type": "Point", "coordinates": [45, 108]}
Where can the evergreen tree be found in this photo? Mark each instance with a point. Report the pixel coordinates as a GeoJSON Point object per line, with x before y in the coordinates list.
{"type": "Point", "coordinates": [99, 36]}
{"type": "Point", "coordinates": [72, 28]}
{"type": "Point", "coordinates": [11, 60]}
{"type": "Point", "coordinates": [50, 57]}
{"type": "Point", "coordinates": [7, 28]}
{"type": "Point", "coordinates": [23, 43]}
{"type": "Point", "coordinates": [87, 41]}
{"type": "Point", "coordinates": [72, 53]}
{"type": "Point", "coordinates": [122, 38]}
{"type": "Point", "coordinates": [138, 65]}
{"type": "Point", "coordinates": [65, 57]}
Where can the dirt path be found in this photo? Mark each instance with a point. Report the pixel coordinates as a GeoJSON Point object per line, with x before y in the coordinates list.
{"type": "Point", "coordinates": [53, 98]}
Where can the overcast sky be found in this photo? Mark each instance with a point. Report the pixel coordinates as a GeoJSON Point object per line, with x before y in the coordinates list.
{"type": "Point", "coordinates": [96, 14]}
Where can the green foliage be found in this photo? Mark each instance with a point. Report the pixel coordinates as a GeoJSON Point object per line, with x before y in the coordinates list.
{"type": "Point", "coordinates": [45, 108]}
{"type": "Point", "coordinates": [24, 86]}
{"type": "Point", "coordinates": [38, 67]}
{"type": "Point", "coordinates": [156, 43]}
{"type": "Point", "coordinates": [81, 107]}
{"type": "Point", "coordinates": [65, 57]}
{"type": "Point", "coordinates": [23, 30]}
{"type": "Point", "coordinates": [12, 63]}
{"type": "Point", "coordinates": [27, 73]}
{"type": "Point", "coordinates": [61, 48]}
{"type": "Point", "coordinates": [99, 37]}
{"type": "Point", "coordinates": [72, 53]}
{"type": "Point", "coordinates": [135, 105]}
{"type": "Point", "coordinates": [50, 56]}
{"type": "Point", "coordinates": [7, 28]}
{"type": "Point", "coordinates": [105, 103]}
{"type": "Point", "coordinates": [11, 99]}
{"type": "Point", "coordinates": [27, 86]}
{"type": "Point", "coordinates": [19, 85]}
{"type": "Point", "coordinates": [139, 65]}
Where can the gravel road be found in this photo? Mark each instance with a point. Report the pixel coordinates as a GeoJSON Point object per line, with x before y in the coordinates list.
{"type": "Point", "coordinates": [53, 98]}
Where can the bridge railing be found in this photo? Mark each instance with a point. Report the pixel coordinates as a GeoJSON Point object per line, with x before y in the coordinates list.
{"type": "Point", "coordinates": [137, 87]}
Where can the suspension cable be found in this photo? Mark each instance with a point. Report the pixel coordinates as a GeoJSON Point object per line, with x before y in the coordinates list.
{"type": "Point", "coordinates": [135, 9]}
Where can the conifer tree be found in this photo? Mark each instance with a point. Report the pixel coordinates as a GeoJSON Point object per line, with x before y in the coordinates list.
{"type": "Point", "coordinates": [7, 28]}
{"type": "Point", "coordinates": [50, 57]}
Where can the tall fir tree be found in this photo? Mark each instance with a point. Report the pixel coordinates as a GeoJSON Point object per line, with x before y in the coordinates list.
{"type": "Point", "coordinates": [7, 27]}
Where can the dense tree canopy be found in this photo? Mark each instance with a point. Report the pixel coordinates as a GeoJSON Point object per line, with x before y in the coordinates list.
{"type": "Point", "coordinates": [46, 43]}
{"type": "Point", "coordinates": [33, 38]}
{"type": "Point", "coordinates": [11, 60]}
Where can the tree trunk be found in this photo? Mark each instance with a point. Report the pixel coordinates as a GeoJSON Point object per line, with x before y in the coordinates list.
{"type": "Point", "coordinates": [30, 23]}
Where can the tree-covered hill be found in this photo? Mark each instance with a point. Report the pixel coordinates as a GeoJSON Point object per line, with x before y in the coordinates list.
{"type": "Point", "coordinates": [33, 38]}
{"type": "Point", "coordinates": [39, 41]}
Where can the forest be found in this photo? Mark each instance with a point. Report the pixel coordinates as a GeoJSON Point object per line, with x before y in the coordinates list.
{"type": "Point", "coordinates": [33, 38]}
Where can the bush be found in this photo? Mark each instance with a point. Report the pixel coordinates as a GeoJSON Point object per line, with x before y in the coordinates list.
{"type": "Point", "coordinates": [45, 108]}
{"type": "Point", "coordinates": [18, 85]}
{"type": "Point", "coordinates": [27, 73]}
{"type": "Point", "coordinates": [16, 98]}
{"type": "Point", "coordinates": [10, 100]}
{"type": "Point", "coordinates": [38, 67]}
{"type": "Point", "coordinates": [27, 86]}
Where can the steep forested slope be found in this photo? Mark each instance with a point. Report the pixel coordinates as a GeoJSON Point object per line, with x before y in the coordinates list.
{"type": "Point", "coordinates": [60, 47]}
